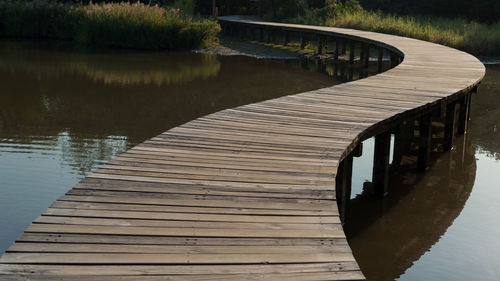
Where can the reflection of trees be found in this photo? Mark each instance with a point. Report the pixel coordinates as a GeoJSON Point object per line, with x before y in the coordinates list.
{"type": "Point", "coordinates": [485, 125]}
{"type": "Point", "coordinates": [80, 99]}
{"type": "Point", "coordinates": [388, 236]}
{"type": "Point", "coordinates": [84, 154]}
{"type": "Point", "coordinates": [123, 68]}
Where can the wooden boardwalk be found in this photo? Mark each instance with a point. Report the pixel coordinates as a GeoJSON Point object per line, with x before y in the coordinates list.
{"type": "Point", "coordinates": [247, 193]}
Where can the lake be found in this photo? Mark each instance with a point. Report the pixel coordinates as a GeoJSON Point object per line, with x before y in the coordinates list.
{"type": "Point", "coordinates": [66, 109]}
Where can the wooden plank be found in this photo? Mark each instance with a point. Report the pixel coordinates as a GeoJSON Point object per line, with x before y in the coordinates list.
{"type": "Point", "coordinates": [246, 193]}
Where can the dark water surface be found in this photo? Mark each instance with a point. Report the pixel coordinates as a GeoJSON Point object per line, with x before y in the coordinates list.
{"type": "Point", "coordinates": [443, 224]}
{"type": "Point", "coordinates": [64, 111]}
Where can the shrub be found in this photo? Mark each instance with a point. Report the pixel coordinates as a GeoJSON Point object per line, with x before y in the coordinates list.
{"type": "Point", "coordinates": [119, 25]}
{"type": "Point", "coordinates": [473, 37]}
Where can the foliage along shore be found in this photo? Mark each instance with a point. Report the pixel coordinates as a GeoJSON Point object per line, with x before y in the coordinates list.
{"type": "Point", "coordinates": [123, 25]}
{"type": "Point", "coordinates": [480, 39]}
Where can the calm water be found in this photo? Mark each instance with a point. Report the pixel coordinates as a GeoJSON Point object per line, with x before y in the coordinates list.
{"type": "Point", "coordinates": [65, 110]}
{"type": "Point", "coordinates": [443, 224]}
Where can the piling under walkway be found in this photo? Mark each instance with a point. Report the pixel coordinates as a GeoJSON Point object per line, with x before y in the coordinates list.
{"type": "Point", "coordinates": [247, 193]}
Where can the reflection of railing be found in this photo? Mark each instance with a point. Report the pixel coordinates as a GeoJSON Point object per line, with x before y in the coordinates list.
{"type": "Point", "coordinates": [250, 192]}
{"type": "Point", "coordinates": [123, 68]}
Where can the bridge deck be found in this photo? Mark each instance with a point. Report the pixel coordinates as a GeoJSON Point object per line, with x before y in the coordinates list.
{"type": "Point", "coordinates": [242, 194]}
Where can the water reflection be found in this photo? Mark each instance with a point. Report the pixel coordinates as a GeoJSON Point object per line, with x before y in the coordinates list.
{"type": "Point", "coordinates": [64, 110]}
{"type": "Point", "coordinates": [442, 224]}
{"type": "Point", "coordinates": [108, 67]}
{"type": "Point", "coordinates": [419, 209]}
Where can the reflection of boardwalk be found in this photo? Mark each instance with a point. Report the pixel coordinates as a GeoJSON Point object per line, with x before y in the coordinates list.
{"type": "Point", "coordinates": [384, 242]}
{"type": "Point", "coordinates": [245, 193]}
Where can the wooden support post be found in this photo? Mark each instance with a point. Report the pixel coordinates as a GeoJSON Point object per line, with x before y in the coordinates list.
{"type": "Point", "coordinates": [450, 125]}
{"type": "Point", "coordinates": [394, 60]}
{"type": "Point", "coordinates": [362, 51]}
{"type": "Point", "coordinates": [231, 29]}
{"type": "Point", "coordinates": [273, 36]}
{"type": "Point", "coordinates": [342, 71]}
{"type": "Point", "coordinates": [352, 47]}
{"type": "Point", "coordinates": [287, 38]}
{"type": "Point", "coordinates": [380, 59]}
{"type": "Point", "coordinates": [261, 34]}
{"type": "Point", "coordinates": [303, 40]}
{"type": "Point", "coordinates": [337, 49]}
{"type": "Point", "coordinates": [343, 186]}
{"type": "Point", "coordinates": [397, 154]}
{"type": "Point", "coordinates": [320, 44]}
{"type": "Point", "coordinates": [343, 50]}
{"type": "Point", "coordinates": [424, 148]}
{"type": "Point", "coordinates": [381, 164]}
{"type": "Point", "coordinates": [366, 58]}
{"type": "Point", "coordinates": [242, 31]}
{"type": "Point", "coordinates": [463, 118]}
{"type": "Point", "coordinates": [268, 33]}
{"type": "Point", "coordinates": [252, 34]}
{"type": "Point", "coordinates": [402, 138]}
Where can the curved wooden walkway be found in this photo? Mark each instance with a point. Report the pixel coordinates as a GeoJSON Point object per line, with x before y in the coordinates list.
{"type": "Point", "coordinates": [243, 194]}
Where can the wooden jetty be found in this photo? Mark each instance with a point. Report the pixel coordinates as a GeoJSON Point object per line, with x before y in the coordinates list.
{"type": "Point", "coordinates": [254, 192]}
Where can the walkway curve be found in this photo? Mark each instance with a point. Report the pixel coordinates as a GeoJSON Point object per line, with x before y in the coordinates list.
{"type": "Point", "coordinates": [242, 194]}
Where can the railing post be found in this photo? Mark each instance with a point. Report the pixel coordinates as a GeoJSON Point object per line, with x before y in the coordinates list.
{"type": "Point", "coordinates": [343, 186]}
{"type": "Point", "coordinates": [424, 148]}
{"type": "Point", "coordinates": [381, 164]}
{"type": "Point", "coordinates": [450, 125]}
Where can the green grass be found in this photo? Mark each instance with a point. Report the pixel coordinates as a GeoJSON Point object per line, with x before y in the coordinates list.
{"type": "Point", "coordinates": [117, 25]}
{"type": "Point", "coordinates": [473, 37]}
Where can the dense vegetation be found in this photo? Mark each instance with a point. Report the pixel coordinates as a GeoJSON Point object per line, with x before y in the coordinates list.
{"type": "Point", "coordinates": [114, 24]}
{"type": "Point", "coordinates": [471, 36]}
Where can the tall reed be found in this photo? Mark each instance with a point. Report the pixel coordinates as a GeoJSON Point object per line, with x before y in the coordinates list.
{"type": "Point", "coordinates": [116, 24]}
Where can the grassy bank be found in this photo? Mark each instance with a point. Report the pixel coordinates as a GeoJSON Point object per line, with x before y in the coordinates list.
{"type": "Point", "coordinates": [117, 25]}
{"type": "Point", "coordinates": [473, 37]}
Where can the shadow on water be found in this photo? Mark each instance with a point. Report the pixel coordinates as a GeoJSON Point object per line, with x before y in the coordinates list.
{"type": "Point", "coordinates": [441, 224]}
{"type": "Point", "coordinates": [388, 236]}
